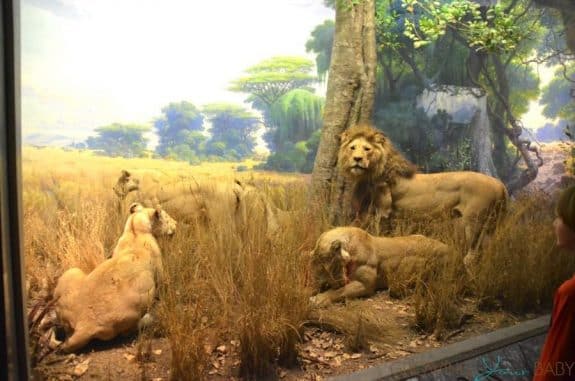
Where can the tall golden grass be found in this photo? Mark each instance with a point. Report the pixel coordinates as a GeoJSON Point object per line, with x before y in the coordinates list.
{"type": "Point", "coordinates": [226, 282]}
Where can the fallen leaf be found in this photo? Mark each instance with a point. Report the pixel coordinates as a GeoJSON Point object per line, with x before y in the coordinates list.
{"type": "Point", "coordinates": [222, 349]}
{"type": "Point", "coordinates": [329, 355]}
{"type": "Point", "coordinates": [356, 356]}
{"type": "Point", "coordinates": [81, 368]}
{"type": "Point", "coordinates": [157, 352]}
{"type": "Point", "coordinates": [130, 357]}
{"type": "Point", "coordinates": [208, 348]}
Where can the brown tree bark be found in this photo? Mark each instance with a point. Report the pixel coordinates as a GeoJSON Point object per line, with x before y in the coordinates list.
{"type": "Point", "coordinates": [350, 94]}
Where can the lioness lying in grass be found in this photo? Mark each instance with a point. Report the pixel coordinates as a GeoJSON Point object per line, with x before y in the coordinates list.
{"type": "Point", "coordinates": [113, 298]}
{"type": "Point", "coordinates": [348, 262]}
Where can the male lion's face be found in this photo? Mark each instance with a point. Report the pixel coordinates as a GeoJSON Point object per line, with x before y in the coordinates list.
{"type": "Point", "coordinates": [358, 156]}
{"type": "Point", "coordinates": [126, 184]}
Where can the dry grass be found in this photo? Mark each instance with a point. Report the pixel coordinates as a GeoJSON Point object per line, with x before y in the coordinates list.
{"type": "Point", "coordinates": [228, 283]}
{"type": "Point", "coordinates": [521, 267]}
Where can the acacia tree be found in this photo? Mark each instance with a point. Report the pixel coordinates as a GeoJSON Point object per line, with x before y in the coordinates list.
{"type": "Point", "coordinates": [350, 92]}
{"type": "Point", "coordinates": [274, 77]}
{"type": "Point", "coordinates": [126, 140]}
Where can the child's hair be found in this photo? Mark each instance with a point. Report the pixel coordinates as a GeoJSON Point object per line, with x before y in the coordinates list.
{"type": "Point", "coordinates": [566, 207]}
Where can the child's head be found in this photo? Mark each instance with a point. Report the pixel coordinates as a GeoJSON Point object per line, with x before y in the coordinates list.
{"type": "Point", "coordinates": [565, 222]}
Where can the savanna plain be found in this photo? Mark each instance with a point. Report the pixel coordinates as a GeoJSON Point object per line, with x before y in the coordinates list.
{"type": "Point", "coordinates": [234, 303]}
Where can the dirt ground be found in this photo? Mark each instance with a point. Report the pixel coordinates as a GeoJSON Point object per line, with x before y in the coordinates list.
{"type": "Point", "coordinates": [322, 353]}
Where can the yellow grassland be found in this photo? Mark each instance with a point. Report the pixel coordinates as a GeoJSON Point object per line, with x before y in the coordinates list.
{"type": "Point", "coordinates": [225, 283]}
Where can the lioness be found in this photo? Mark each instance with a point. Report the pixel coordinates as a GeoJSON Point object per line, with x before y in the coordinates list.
{"type": "Point", "coordinates": [387, 185]}
{"type": "Point", "coordinates": [240, 204]}
{"type": "Point", "coordinates": [112, 299]}
{"type": "Point", "coordinates": [347, 262]}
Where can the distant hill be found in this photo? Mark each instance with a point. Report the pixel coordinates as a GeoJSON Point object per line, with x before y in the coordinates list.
{"type": "Point", "coordinates": [43, 140]}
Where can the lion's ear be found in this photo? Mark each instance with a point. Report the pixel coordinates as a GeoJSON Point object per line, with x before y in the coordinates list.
{"type": "Point", "coordinates": [157, 211]}
{"type": "Point", "coordinates": [335, 246]}
{"type": "Point", "coordinates": [125, 174]}
{"type": "Point", "coordinates": [344, 136]}
{"type": "Point", "coordinates": [135, 207]}
{"type": "Point", "coordinates": [379, 137]}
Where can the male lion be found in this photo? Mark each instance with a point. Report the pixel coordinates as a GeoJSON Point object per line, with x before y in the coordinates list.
{"type": "Point", "coordinates": [114, 297]}
{"type": "Point", "coordinates": [387, 185]}
{"type": "Point", "coordinates": [347, 262]}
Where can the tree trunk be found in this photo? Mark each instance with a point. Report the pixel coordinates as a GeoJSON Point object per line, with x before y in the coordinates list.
{"type": "Point", "coordinates": [350, 93]}
{"type": "Point", "coordinates": [481, 148]}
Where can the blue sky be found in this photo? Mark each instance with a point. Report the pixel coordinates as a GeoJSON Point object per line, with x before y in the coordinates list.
{"type": "Point", "coordinates": [88, 63]}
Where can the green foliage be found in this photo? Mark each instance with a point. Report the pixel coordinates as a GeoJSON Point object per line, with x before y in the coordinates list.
{"type": "Point", "coordinates": [321, 43]}
{"type": "Point", "coordinates": [524, 86]}
{"type": "Point", "coordinates": [433, 144]}
{"type": "Point", "coordinates": [233, 130]}
{"type": "Point", "coordinates": [297, 157]}
{"type": "Point", "coordinates": [274, 77]}
{"type": "Point", "coordinates": [329, 3]}
{"type": "Point", "coordinates": [126, 140]}
{"type": "Point", "coordinates": [497, 32]}
{"type": "Point", "coordinates": [180, 124]}
{"type": "Point", "coordinates": [297, 117]}
{"type": "Point", "coordinates": [557, 99]}
{"type": "Point", "coordinates": [290, 159]}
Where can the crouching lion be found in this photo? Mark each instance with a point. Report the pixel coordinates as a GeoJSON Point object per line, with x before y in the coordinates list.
{"type": "Point", "coordinates": [348, 262]}
{"type": "Point", "coordinates": [114, 297]}
{"type": "Point", "coordinates": [387, 187]}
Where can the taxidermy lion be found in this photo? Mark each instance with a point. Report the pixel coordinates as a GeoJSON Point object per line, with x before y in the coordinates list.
{"type": "Point", "coordinates": [206, 202]}
{"type": "Point", "coordinates": [190, 201]}
{"type": "Point", "coordinates": [113, 298]}
{"type": "Point", "coordinates": [348, 262]}
{"type": "Point", "coordinates": [387, 187]}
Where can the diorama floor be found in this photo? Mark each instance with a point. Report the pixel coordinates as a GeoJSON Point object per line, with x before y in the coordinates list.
{"type": "Point", "coordinates": [322, 354]}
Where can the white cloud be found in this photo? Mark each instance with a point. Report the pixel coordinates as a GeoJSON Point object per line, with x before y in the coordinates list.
{"type": "Point", "coordinates": [86, 63]}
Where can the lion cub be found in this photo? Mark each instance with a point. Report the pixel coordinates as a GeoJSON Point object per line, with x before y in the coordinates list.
{"type": "Point", "coordinates": [348, 262]}
{"type": "Point", "coordinates": [113, 298]}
